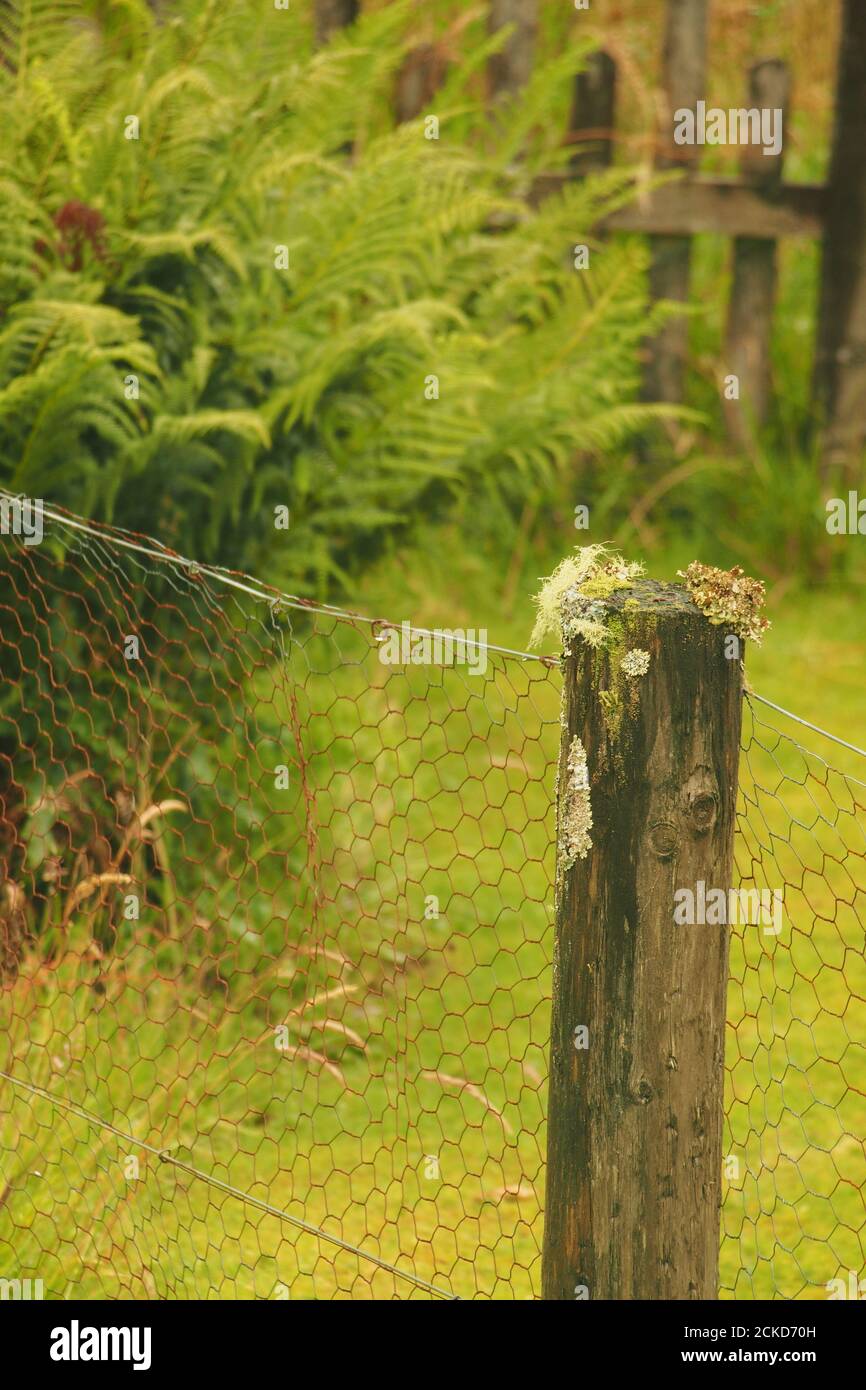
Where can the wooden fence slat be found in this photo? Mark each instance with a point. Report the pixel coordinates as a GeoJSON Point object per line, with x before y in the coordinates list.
{"type": "Point", "coordinates": [840, 360]}
{"type": "Point", "coordinates": [511, 68]}
{"type": "Point", "coordinates": [720, 205]}
{"type": "Point", "coordinates": [418, 80]}
{"type": "Point", "coordinates": [684, 65]}
{"type": "Point", "coordinates": [593, 114]}
{"type": "Point", "coordinates": [753, 287]}
{"type": "Point", "coordinates": [330, 15]}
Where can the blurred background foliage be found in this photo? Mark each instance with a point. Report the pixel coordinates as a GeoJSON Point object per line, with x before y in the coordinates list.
{"type": "Point", "coordinates": [274, 296]}
{"type": "Point", "coordinates": [159, 370]}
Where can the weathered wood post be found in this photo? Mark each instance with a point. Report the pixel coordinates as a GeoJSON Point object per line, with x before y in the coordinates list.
{"type": "Point", "coordinates": [646, 806]}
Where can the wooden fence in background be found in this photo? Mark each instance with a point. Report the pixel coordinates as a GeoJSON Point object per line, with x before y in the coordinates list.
{"type": "Point", "coordinates": [756, 209]}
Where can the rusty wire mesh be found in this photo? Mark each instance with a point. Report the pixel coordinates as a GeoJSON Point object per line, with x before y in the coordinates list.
{"type": "Point", "coordinates": [275, 932]}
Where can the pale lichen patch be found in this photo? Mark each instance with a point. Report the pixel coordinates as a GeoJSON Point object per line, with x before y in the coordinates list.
{"type": "Point", "coordinates": [579, 620]}
{"type": "Point", "coordinates": [635, 663]}
{"type": "Point", "coordinates": [575, 842]}
{"type": "Point", "coordinates": [571, 600]}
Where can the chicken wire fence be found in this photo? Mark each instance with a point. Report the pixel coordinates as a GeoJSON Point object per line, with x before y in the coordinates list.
{"type": "Point", "coordinates": [794, 1210]}
{"type": "Point", "coordinates": [275, 941]}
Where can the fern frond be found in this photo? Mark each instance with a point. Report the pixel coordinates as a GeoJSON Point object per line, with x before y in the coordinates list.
{"type": "Point", "coordinates": [244, 424]}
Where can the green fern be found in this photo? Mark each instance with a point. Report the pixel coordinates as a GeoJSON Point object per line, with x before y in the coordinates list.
{"type": "Point", "coordinates": [156, 261]}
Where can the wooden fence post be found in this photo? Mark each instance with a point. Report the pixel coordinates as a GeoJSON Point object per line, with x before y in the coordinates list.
{"type": "Point", "coordinates": [511, 68]}
{"type": "Point", "coordinates": [684, 84]}
{"type": "Point", "coordinates": [418, 80]}
{"type": "Point", "coordinates": [593, 113]}
{"type": "Point", "coordinates": [331, 15]}
{"type": "Point", "coordinates": [636, 1101]}
{"type": "Point", "coordinates": [753, 290]}
{"type": "Point", "coordinates": [840, 362]}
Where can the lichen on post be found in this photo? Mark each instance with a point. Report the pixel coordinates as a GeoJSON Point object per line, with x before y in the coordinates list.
{"type": "Point", "coordinates": [652, 699]}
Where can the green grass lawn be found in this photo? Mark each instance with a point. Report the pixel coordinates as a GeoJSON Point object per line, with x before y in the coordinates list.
{"type": "Point", "coordinates": [404, 1111]}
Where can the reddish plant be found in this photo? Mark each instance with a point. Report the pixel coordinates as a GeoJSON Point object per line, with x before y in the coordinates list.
{"type": "Point", "coordinates": [79, 226]}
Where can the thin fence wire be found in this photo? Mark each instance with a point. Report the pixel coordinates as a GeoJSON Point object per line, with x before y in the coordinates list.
{"type": "Point", "coordinates": [275, 942]}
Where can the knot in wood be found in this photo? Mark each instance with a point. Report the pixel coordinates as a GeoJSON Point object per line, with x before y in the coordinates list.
{"type": "Point", "coordinates": [701, 800]}
{"type": "Point", "coordinates": [702, 812]}
{"type": "Point", "coordinates": [664, 839]}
